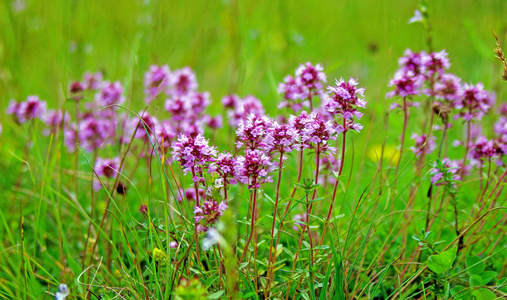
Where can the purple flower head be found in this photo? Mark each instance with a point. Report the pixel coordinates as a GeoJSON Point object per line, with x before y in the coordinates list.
{"type": "Point", "coordinates": [413, 62]}
{"type": "Point", "coordinates": [436, 62]}
{"type": "Point", "coordinates": [156, 80]}
{"type": "Point", "coordinates": [500, 127]}
{"type": "Point", "coordinates": [92, 81]}
{"type": "Point", "coordinates": [95, 132]}
{"type": "Point", "coordinates": [207, 214]}
{"type": "Point", "coordinates": [252, 131]}
{"type": "Point", "coordinates": [164, 134]}
{"type": "Point", "coordinates": [53, 119]}
{"type": "Point", "coordinates": [179, 106]}
{"type": "Point", "coordinates": [183, 82]}
{"type": "Point", "coordinates": [190, 194]}
{"type": "Point", "coordinates": [344, 100]}
{"type": "Point", "coordinates": [503, 109]}
{"type": "Point", "coordinates": [475, 102]}
{"type": "Point", "coordinates": [282, 138]}
{"type": "Point", "coordinates": [406, 84]}
{"type": "Point", "coordinates": [199, 102]}
{"type": "Point", "coordinates": [146, 126]}
{"type": "Point", "coordinates": [70, 136]}
{"type": "Point", "coordinates": [246, 106]}
{"type": "Point", "coordinates": [295, 94]}
{"type": "Point", "coordinates": [27, 110]}
{"type": "Point", "coordinates": [213, 122]}
{"type": "Point", "coordinates": [223, 166]}
{"type": "Point", "coordinates": [193, 152]}
{"type": "Point", "coordinates": [444, 172]}
{"type": "Point", "coordinates": [253, 168]}
{"type": "Point", "coordinates": [106, 168]}
{"type": "Point", "coordinates": [448, 87]}
{"type": "Point", "coordinates": [483, 149]}
{"type": "Point", "coordinates": [315, 130]}
{"type": "Point", "coordinates": [76, 90]}
{"type": "Point", "coordinates": [311, 77]}
{"type": "Point", "coordinates": [423, 144]}
{"type": "Point", "coordinates": [110, 94]}
{"type": "Point", "coordinates": [230, 101]}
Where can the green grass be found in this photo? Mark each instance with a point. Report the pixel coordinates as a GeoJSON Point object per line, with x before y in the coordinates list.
{"type": "Point", "coordinates": [242, 47]}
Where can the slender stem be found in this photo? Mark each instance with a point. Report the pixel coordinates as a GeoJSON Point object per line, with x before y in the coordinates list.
{"type": "Point", "coordinates": [405, 123]}
{"type": "Point", "coordinates": [272, 252]}
{"type": "Point", "coordinates": [467, 146]}
{"type": "Point", "coordinates": [252, 222]}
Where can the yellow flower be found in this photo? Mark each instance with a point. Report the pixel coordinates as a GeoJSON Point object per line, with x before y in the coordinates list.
{"type": "Point", "coordinates": [391, 154]}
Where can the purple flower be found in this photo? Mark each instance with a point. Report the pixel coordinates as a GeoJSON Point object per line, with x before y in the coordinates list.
{"type": "Point", "coordinates": [146, 126]}
{"type": "Point", "coordinates": [295, 94]}
{"type": "Point", "coordinates": [436, 62]}
{"type": "Point", "coordinates": [500, 127]}
{"type": "Point", "coordinates": [156, 80]}
{"type": "Point", "coordinates": [27, 110]}
{"type": "Point", "coordinates": [344, 100]}
{"type": "Point", "coordinates": [223, 166]}
{"type": "Point", "coordinates": [246, 106]}
{"type": "Point", "coordinates": [282, 138]}
{"type": "Point", "coordinates": [183, 82]}
{"type": "Point", "coordinates": [406, 84]}
{"type": "Point", "coordinates": [213, 122]}
{"type": "Point", "coordinates": [447, 87]}
{"type": "Point", "coordinates": [54, 119]}
{"type": "Point", "coordinates": [252, 131]}
{"type": "Point", "coordinates": [313, 129]}
{"type": "Point", "coordinates": [413, 62]}
{"type": "Point", "coordinates": [164, 134]}
{"type": "Point", "coordinates": [193, 152]}
{"type": "Point", "coordinates": [475, 102]}
{"type": "Point", "coordinates": [106, 168]}
{"type": "Point", "coordinates": [92, 81]}
{"type": "Point", "coordinates": [76, 90]}
{"type": "Point", "coordinates": [207, 214]}
{"type": "Point", "coordinates": [95, 132]}
{"type": "Point", "coordinates": [230, 101]}
{"type": "Point", "coordinates": [483, 149]}
{"type": "Point", "coordinates": [312, 78]}
{"type": "Point", "coordinates": [423, 144]}
{"type": "Point", "coordinates": [253, 168]}
{"type": "Point", "coordinates": [70, 136]}
{"type": "Point", "coordinates": [110, 94]}
{"type": "Point", "coordinates": [444, 172]}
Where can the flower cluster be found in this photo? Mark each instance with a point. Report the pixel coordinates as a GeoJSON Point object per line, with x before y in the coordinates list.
{"type": "Point", "coordinates": [251, 132]}
{"type": "Point", "coordinates": [282, 138]}
{"type": "Point", "coordinates": [224, 167]}
{"type": "Point", "coordinates": [485, 149]}
{"type": "Point", "coordinates": [27, 110]}
{"type": "Point", "coordinates": [239, 108]}
{"type": "Point", "coordinates": [207, 214]}
{"type": "Point", "coordinates": [106, 168]}
{"type": "Point", "coordinates": [475, 102]}
{"type": "Point", "coordinates": [313, 129]}
{"type": "Point", "coordinates": [299, 91]}
{"type": "Point", "coordinates": [253, 168]}
{"type": "Point", "coordinates": [423, 144]}
{"type": "Point", "coordinates": [444, 172]}
{"type": "Point", "coordinates": [156, 80]}
{"type": "Point", "coordinates": [343, 100]}
{"type": "Point", "coordinates": [192, 153]}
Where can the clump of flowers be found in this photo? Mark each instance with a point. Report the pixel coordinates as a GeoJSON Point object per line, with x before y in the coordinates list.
{"type": "Point", "coordinates": [111, 93]}
{"type": "Point", "coordinates": [316, 131]}
{"type": "Point", "coordinates": [253, 168]}
{"type": "Point", "coordinates": [240, 108]}
{"type": "Point", "coordinates": [483, 149]}
{"type": "Point", "coordinates": [444, 173]}
{"type": "Point", "coordinates": [475, 102]}
{"type": "Point", "coordinates": [344, 100]}
{"type": "Point", "coordinates": [193, 153]}
{"type": "Point", "coordinates": [252, 131]}
{"type": "Point", "coordinates": [423, 144]}
{"type": "Point", "coordinates": [223, 166]}
{"type": "Point", "coordinates": [106, 168]}
{"type": "Point", "coordinates": [156, 80]}
{"type": "Point", "coordinates": [207, 214]}
{"type": "Point", "coordinates": [27, 110]}
{"type": "Point", "coordinates": [282, 138]}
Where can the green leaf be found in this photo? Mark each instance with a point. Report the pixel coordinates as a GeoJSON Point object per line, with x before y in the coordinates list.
{"type": "Point", "coordinates": [502, 284]}
{"type": "Point", "coordinates": [475, 280]}
{"type": "Point", "coordinates": [484, 294]}
{"type": "Point", "coordinates": [216, 295]}
{"type": "Point", "coordinates": [442, 262]}
{"type": "Point", "coordinates": [475, 265]}
{"type": "Point", "coordinates": [488, 276]}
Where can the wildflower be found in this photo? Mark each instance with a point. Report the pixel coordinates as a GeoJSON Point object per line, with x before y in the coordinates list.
{"type": "Point", "coordinates": [63, 292]}
{"type": "Point", "coordinates": [183, 82]}
{"type": "Point", "coordinates": [143, 208]}
{"type": "Point", "coordinates": [484, 149]}
{"type": "Point", "coordinates": [312, 78]}
{"type": "Point", "coordinates": [436, 63]}
{"type": "Point", "coordinates": [223, 166]}
{"type": "Point", "coordinates": [475, 102]}
{"type": "Point", "coordinates": [27, 110]}
{"type": "Point", "coordinates": [145, 126]}
{"type": "Point", "coordinates": [447, 87]}
{"type": "Point", "coordinates": [412, 62]}
{"type": "Point", "coordinates": [252, 131]}
{"type": "Point", "coordinates": [319, 132]}
{"type": "Point", "coordinates": [164, 133]}
{"type": "Point", "coordinates": [190, 194]}
{"type": "Point", "coordinates": [159, 256]}
{"type": "Point", "coordinates": [156, 80]}
{"type": "Point", "coordinates": [54, 119]}
{"type": "Point", "coordinates": [70, 136]}
{"type": "Point", "coordinates": [246, 106]}
{"type": "Point", "coordinates": [418, 17]}
{"type": "Point", "coordinates": [444, 172]}
{"type": "Point", "coordinates": [282, 138]}
{"type": "Point", "coordinates": [406, 84]}
{"type": "Point", "coordinates": [344, 100]}
{"type": "Point", "coordinates": [95, 132]}
{"type": "Point", "coordinates": [106, 168]}
{"type": "Point", "coordinates": [295, 94]}
{"type": "Point", "coordinates": [173, 244]}
{"type": "Point", "coordinates": [253, 168]}
{"type": "Point", "coordinates": [423, 144]}
{"type": "Point", "coordinates": [92, 81]}
{"type": "Point", "coordinates": [110, 94]}
{"type": "Point", "coordinates": [207, 213]}
{"type": "Point", "coordinates": [213, 122]}
{"type": "Point", "coordinates": [76, 91]}
{"type": "Point", "coordinates": [193, 152]}
{"type": "Point", "coordinates": [230, 101]}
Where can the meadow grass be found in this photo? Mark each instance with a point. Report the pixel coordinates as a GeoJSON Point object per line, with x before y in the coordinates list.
{"type": "Point", "coordinates": [116, 244]}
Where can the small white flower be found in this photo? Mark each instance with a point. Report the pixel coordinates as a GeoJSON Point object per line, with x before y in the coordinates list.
{"type": "Point", "coordinates": [219, 183]}
{"type": "Point", "coordinates": [418, 17]}
{"type": "Point", "coordinates": [63, 292]}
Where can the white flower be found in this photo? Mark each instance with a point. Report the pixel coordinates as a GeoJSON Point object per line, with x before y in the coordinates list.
{"type": "Point", "coordinates": [63, 292]}
{"type": "Point", "coordinates": [418, 17]}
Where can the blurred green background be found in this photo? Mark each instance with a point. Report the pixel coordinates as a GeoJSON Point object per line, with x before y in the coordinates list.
{"type": "Point", "coordinates": [243, 47]}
